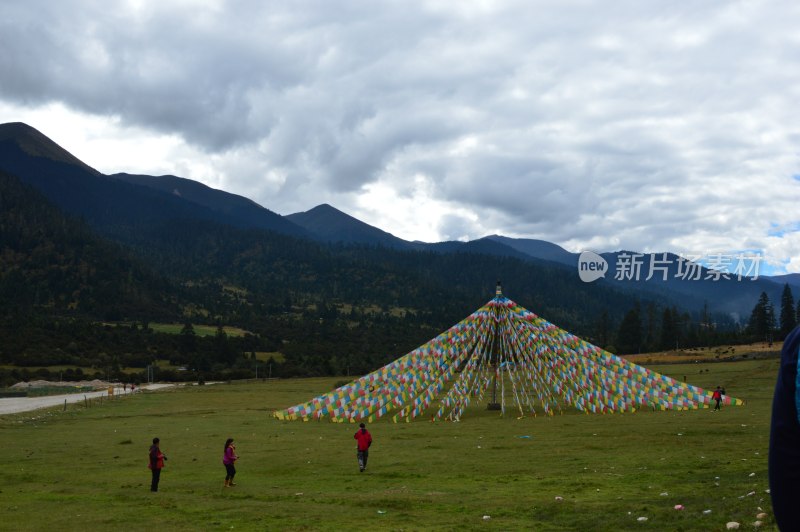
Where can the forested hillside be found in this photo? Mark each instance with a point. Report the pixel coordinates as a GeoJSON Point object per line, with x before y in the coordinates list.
{"type": "Point", "coordinates": [326, 308]}
{"type": "Point", "coordinates": [89, 262]}
{"type": "Point", "coordinates": [53, 262]}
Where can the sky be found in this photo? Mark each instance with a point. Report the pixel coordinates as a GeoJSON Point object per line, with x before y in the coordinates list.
{"type": "Point", "coordinates": [647, 126]}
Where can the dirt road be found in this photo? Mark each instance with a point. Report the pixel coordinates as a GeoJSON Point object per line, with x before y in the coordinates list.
{"type": "Point", "coordinates": [14, 405]}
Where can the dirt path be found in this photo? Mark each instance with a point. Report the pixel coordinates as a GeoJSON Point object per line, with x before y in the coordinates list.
{"type": "Point", "coordinates": [14, 405]}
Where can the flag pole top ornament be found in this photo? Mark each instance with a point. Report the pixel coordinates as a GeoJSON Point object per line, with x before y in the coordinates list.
{"type": "Point", "coordinates": [525, 363]}
{"type": "Point", "coordinates": [498, 290]}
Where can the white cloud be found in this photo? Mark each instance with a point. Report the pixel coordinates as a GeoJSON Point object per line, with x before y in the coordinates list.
{"type": "Point", "coordinates": [105, 142]}
{"type": "Point", "coordinates": [593, 125]}
{"type": "Point", "coordinates": [415, 210]}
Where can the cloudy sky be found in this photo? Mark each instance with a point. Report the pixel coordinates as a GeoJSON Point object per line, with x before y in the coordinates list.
{"type": "Point", "coordinates": [595, 125]}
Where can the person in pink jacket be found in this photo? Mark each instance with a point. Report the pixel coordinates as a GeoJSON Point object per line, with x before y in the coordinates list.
{"type": "Point", "coordinates": [228, 459]}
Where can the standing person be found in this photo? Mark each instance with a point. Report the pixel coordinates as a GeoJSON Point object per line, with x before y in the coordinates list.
{"type": "Point", "coordinates": [229, 457]}
{"type": "Point", "coordinates": [717, 396]}
{"type": "Point", "coordinates": [156, 463]}
{"type": "Point", "coordinates": [784, 439]}
{"type": "Point", "coordinates": [364, 440]}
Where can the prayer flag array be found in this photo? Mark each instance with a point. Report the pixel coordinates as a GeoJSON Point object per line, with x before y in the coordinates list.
{"type": "Point", "coordinates": [512, 355]}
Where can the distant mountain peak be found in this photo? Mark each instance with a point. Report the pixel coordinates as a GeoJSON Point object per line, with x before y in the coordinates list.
{"type": "Point", "coordinates": [323, 208]}
{"type": "Point", "coordinates": [330, 224]}
{"type": "Point", "coordinates": [35, 143]}
{"type": "Point", "coordinates": [540, 249]}
{"type": "Point", "coordinates": [119, 200]}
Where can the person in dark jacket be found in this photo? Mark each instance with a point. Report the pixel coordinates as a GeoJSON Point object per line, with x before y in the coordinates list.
{"type": "Point", "coordinates": [784, 439]}
{"type": "Point", "coordinates": [156, 463]}
{"type": "Point", "coordinates": [229, 457]}
{"type": "Point", "coordinates": [363, 441]}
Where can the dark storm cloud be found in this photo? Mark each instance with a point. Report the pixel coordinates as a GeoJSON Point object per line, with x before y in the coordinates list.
{"type": "Point", "coordinates": [631, 124]}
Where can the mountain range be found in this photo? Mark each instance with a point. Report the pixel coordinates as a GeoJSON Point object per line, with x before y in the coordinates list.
{"type": "Point", "coordinates": [177, 227]}
{"type": "Point", "coordinates": [729, 295]}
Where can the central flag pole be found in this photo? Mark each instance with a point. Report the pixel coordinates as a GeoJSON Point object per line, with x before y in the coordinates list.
{"type": "Point", "coordinates": [494, 404]}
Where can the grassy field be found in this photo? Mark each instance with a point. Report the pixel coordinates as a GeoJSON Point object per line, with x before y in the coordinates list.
{"type": "Point", "coordinates": [86, 468]}
{"type": "Point", "coordinates": [199, 330]}
{"type": "Point", "coordinates": [718, 353]}
{"type": "Point", "coordinates": [88, 371]}
{"type": "Point", "coordinates": [277, 356]}
{"type": "Point", "coordinates": [176, 328]}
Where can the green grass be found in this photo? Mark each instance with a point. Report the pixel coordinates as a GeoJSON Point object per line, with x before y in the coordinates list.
{"type": "Point", "coordinates": [61, 367]}
{"type": "Point", "coordinates": [86, 468]}
{"type": "Point", "coordinates": [88, 371]}
{"type": "Point", "coordinates": [277, 356]}
{"type": "Point", "coordinates": [199, 330]}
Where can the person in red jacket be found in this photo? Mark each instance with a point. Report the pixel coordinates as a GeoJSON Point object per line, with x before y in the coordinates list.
{"type": "Point", "coordinates": [364, 440]}
{"type": "Point", "coordinates": [156, 463]}
{"type": "Point", "coordinates": [717, 396]}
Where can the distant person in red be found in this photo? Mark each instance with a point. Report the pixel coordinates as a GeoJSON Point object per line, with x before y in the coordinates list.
{"type": "Point", "coordinates": [228, 459]}
{"type": "Point", "coordinates": [156, 463]}
{"type": "Point", "coordinates": [717, 396]}
{"type": "Point", "coordinates": [364, 440]}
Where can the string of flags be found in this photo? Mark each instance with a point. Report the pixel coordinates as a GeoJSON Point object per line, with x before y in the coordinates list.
{"type": "Point", "coordinates": [525, 363]}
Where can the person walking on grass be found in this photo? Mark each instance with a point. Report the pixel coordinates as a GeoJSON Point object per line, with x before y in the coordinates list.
{"type": "Point", "coordinates": [717, 396]}
{"type": "Point", "coordinates": [156, 463]}
{"type": "Point", "coordinates": [363, 441]}
{"type": "Point", "coordinates": [229, 457]}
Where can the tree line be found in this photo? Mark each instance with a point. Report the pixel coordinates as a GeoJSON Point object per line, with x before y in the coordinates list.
{"type": "Point", "coordinates": [646, 328]}
{"type": "Point", "coordinates": [766, 325]}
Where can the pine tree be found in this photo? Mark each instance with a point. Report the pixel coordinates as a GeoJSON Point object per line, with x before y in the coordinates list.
{"type": "Point", "coordinates": [224, 351]}
{"type": "Point", "coordinates": [629, 338]}
{"type": "Point", "coordinates": [603, 329]}
{"type": "Point", "coordinates": [188, 340]}
{"type": "Point", "coordinates": [649, 342]}
{"type": "Point", "coordinates": [762, 319]}
{"type": "Point", "coordinates": [706, 331]}
{"type": "Point", "coordinates": [669, 330]}
{"type": "Point", "coordinates": [788, 318]}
